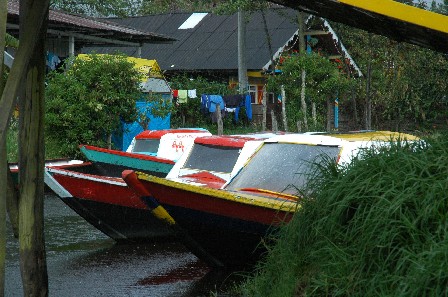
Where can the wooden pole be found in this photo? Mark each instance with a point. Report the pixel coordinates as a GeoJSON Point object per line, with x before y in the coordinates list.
{"type": "Point", "coordinates": [219, 120]}
{"type": "Point", "coordinates": [37, 12]}
{"type": "Point", "coordinates": [3, 156]}
{"type": "Point", "coordinates": [263, 102]}
{"type": "Point", "coordinates": [285, 120]}
{"type": "Point", "coordinates": [31, 163]}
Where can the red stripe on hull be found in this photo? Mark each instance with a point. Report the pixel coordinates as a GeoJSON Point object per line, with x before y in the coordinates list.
{"type": "Point", "coordinates": [99, 191]}
{"type": "Point", "coordinates": [217, 206]}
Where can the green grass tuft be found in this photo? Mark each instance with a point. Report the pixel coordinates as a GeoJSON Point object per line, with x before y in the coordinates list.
{"type": "Point", "coordinates": [377, 228]}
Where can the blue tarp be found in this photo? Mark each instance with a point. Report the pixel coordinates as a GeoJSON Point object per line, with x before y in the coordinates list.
{"type": "Point", "coordinates": [122, 142]}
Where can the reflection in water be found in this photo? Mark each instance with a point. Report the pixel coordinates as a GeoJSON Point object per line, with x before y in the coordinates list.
{"type": "Point", "coordinates": [84, 262]}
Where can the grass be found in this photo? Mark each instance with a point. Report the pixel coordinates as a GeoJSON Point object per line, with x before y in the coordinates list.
{"type": "Point", "coordinates": [377, 228]}
{"type": "Point", "coordinates": [52, 148]}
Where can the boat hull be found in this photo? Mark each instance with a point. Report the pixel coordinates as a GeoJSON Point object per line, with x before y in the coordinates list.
{"type": "Point", "coordinates": [229, 230]}
{"type": "Point", "coordinates": [108, 205]}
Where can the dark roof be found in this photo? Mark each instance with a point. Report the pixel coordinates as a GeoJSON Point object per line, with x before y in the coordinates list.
{"type": "Point", "coordinates": [384, 17]}
{"type": "Point", "coordinates": [212, 44]}
{"type": "Point", "coordinates": [81, 25]}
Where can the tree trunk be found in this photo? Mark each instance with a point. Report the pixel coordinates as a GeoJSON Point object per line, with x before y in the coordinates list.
{"type": "Point", "coordinates": [302, 48]}
{"type": "Point", "coordinates": [368, 106]}
{"type": "Point", "coordinates": [274, 122]}
{"type": "Point", "coordinates": [329, 111]}
{"type": "Point", "coordinates": [303, 102]}
{"type": "Point", "coordinates": [314, 114]}
{"type": "Point", "coordinates": [32, 161]}
{"type": "Point", "coordinates": [285, 120]}
{"type": "Point", "coordinates": [263, 102]}
{"type": "Point", "coordinates": [219, 120]}
{"type": "Point", "coordinates": [3, 156]}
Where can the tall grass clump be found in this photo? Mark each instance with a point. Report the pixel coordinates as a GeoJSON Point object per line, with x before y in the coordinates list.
{"type": "Point", "coordinates": [375, 228]}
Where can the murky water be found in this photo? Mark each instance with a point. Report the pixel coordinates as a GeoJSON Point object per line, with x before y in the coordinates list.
{"type": "Point", "coordinates": [84, 262]}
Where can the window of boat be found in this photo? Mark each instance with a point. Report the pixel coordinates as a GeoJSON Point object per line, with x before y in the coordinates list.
{"type": "Point", "coordinates": [212, 158]}
{"type": "Point", "coordinates": [281, 167]}
{"type": "Point", "coordinates": [146, 146]}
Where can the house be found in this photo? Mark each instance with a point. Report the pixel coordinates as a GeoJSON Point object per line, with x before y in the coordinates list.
{"type": "Point", "coordinates": [207, 45]}
{"type": "Point", "coordinates": [68, 33]}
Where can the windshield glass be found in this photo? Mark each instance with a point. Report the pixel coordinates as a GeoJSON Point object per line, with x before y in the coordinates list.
{"type": "Point", "coordinates": [146, 146]}
{"type": "Point", "coordinates": [212, 158]}
{"type": "Point", "coordinates": [281, 167]}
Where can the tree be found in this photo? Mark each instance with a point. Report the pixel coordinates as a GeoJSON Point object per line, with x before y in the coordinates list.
{"type": "Point", "coordinates": [324, 81]}
{"type": "Point", "coordinates": [88, 102]}
{"type": "Point", "coordinates": [107, 8]}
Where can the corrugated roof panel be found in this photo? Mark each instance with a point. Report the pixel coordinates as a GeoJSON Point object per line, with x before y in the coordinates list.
{"type": "Point", "coordinates": [216, 40]}
{"type": "Point", "coordinates": [223, 59]}
{"type": "Point", "coordinates": [195, 41]}
{"type": "Point", "coordinates": [211, 23]}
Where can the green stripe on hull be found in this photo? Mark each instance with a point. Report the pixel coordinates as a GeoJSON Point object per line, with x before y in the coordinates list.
{"type": "Point", "coordinates": [135, 163]}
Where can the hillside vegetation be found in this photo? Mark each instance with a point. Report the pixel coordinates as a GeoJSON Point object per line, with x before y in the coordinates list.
{"type": "Point", "coordinates": [376, 228]}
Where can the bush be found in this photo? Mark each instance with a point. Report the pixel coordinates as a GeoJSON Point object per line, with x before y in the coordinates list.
{"type": "Point", "coordinates": [85, 104]}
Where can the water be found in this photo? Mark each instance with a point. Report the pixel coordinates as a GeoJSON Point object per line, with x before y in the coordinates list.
{"type": "Point", "coordinates": [82, 261]}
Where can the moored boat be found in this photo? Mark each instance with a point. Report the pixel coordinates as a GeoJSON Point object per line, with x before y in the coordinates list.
{"type": "Point", "coordinates": [109, 205]}
{"type": "Point", "coordinates": [151, 151]}
{"type": "Point", "coordinates": [230, 223]}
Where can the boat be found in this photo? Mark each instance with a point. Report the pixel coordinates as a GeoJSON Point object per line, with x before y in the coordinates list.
{"type": "Point", "coordinates": [61, 163]}
{"type": "Point", "coordinates": [232, 222]}
{"type": "Point", "coordinates": [112, 207]}
{"type": "Point", "coordinates": [151, 151]}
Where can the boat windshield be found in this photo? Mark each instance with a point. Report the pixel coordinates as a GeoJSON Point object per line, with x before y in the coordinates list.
{"type": "Point", "coordinates": [146, 146]}
{"type": "Point", "coordinates": [281, 167]}
{"type": "Point", "coordinates": [212, 158]}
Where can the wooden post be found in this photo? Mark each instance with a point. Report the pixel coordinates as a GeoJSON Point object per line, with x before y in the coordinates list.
{"type": "Point", "coordinates": [36, 15]}
{"type": "Point", "coordinates": [3, 156]}
{"type": "Point", "coordinates": [12, 205]}
{"type": "Point", "coordinates": [285, 121]}
{"type": "Point", "coordinates": [219, 119]}
{"type": "Point", "coordinates": [263, 102]}
{"type": "Point", "coordinates": [31, 163]}
{"type": "Point", "coordinates": [3, 194]}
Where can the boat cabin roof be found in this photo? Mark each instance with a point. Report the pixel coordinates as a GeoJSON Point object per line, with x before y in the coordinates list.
{"type": "Point", "coordinates": [224, 140]}
{"type": "Point", "coordinates": [157, 134]}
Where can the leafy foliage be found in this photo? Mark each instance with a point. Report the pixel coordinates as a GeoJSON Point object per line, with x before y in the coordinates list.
{"type": "Point", "coordinates": [108, 8]}
{"type": "Point", "coordinates": [408, 83]}
{"type": "Point", "coordinates": [88, 102]}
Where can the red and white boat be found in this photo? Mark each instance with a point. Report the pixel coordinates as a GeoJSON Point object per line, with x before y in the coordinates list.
{"type": "Point", "coordinates": [229, 223]}
{"type": "Point", "coordinates": [112, 207]}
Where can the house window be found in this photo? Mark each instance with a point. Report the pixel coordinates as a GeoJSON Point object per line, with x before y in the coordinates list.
{"type": "Point", "coordinates": [253, 94]}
